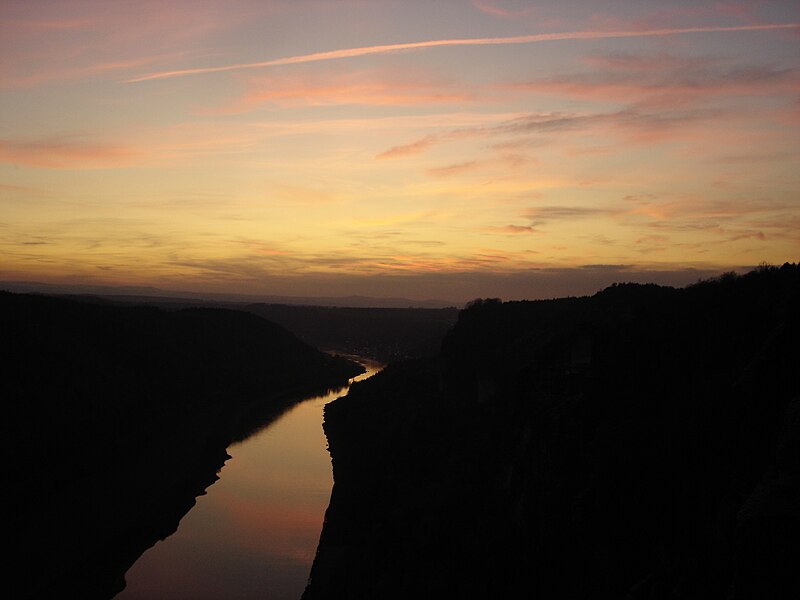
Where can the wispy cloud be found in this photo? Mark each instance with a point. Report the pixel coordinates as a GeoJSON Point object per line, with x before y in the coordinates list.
{"type": "Point", "coordinates": [21, 190]}
{"type": "Point", "coordinates": [64, 153]}
{"type": "Point", "coordinates": [57, 73]}
{"type": "Point", "coordinates": [139, 147]}
{"type": "Point", "coordinates": [545, 214]}
{"type": "Point", "coordinates": [530, 123]}
{"type": "Point", "coordinates": [626, 78]}
{"type": "Point", "coordinates": [504, 161]}
{"type": "Point", "coordinates": [487, 41]}
{"type": "Point", "coordinates": [55, 42]}
{"type": "Point", "coordinates": [636, 123]}
{"type": "Point", "coordinates": [363, 87]}
{"type": "Point", "coordinates": [454, 169]}
{"type": "Point", "coordinates": [696, 214]}
{"type": "Point", "coordinates": [25, 26]}
{"type": "Point", "coordinates": [498, 11]}
{"type": "Point", "coordinates": [416, 147]}
{"type": "Point", "coordinates": [511, 229]}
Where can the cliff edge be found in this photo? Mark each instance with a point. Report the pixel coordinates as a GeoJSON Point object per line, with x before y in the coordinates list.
{"type": "Point", "coordinates": [640, 443]}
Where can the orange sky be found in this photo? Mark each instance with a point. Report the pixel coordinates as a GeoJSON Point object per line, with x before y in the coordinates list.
{"type": "Point", "coordinates": [413, 149]}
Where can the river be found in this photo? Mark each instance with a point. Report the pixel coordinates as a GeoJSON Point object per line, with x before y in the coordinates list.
{"type": "Point", "coordinates": [254, 533]}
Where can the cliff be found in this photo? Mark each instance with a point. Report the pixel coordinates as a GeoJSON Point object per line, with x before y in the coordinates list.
{"type": "Point", "coordinates": [639, 443]}
{"type": "Point", "coordinates": [115, 418]}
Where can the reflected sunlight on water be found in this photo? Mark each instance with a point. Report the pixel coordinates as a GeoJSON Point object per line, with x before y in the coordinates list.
{"type": "Point", "coordinates": [255, 532]}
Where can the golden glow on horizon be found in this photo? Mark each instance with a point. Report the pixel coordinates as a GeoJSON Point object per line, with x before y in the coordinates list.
{"type": "Point", "coordinates": [470, 164]}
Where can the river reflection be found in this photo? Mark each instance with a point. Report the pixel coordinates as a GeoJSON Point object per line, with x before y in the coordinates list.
{"type": "Point", "coordinates": [255, 532]}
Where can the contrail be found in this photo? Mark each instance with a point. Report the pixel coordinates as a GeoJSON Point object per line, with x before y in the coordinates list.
{"type": "Point", "coordinates": [494, 41]}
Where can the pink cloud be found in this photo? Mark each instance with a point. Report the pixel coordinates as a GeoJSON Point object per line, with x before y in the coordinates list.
{"type": "Point", "coordinates": [65, 153]}
{"type": "Point", "coordinates": [354, 88]}
{"type": "Point", "coordinates": [139, 147]}
{"type": "Point", "coordinates": [73, 40]}
{"type": "Point", "coordinates": [25, 26]}
{"type": "Point", "coordinates": [499, 11]}
{"type": "Point", "coordinates": [416, 147]}
{"type": "Point", "coordinates": [695, 214]}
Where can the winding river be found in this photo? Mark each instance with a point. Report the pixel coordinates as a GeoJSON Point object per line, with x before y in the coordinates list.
{"type": "Point", "coordinates": [255, 531]}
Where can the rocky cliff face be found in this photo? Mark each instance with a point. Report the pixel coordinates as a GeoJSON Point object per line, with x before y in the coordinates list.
{"type": "Point", "coordinates": [641, 443]}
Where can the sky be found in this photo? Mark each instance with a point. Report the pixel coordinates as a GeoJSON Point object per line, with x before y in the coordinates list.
{"type": "Point", "coordinates": [417, 149]}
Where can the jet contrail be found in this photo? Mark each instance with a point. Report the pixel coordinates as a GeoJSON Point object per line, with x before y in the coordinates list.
{"type": "Point", "coordinates": [495, 41]}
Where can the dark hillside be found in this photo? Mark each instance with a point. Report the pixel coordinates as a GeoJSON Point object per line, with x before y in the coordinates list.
{"type": "Point", "coordinates": [384, 334]}
{"type": "Point", "coordinates": [640, 443]}
{"type": "Point", "coordinates": [111, 412]}
{"type": "Point", "coordinates": [90, 374]}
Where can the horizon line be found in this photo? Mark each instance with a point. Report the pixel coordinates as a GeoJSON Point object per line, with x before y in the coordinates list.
{"type": "Point", "coordinates": [493, 41]}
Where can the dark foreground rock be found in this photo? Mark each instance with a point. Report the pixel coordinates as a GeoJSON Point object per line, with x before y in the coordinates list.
{"type": "Point", "coordinates": [116, 418]}
{"type": "Point", "coordinates": [641, 443]}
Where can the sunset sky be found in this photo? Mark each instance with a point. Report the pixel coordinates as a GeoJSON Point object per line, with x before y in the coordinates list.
{"type": "Point", "coordinates": [432, 149]}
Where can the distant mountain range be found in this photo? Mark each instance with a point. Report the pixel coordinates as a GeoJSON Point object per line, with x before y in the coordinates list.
{"type": "Point", "coordinates": [133, 293]}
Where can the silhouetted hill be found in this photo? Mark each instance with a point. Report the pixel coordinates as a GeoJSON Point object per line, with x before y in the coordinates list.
{"type": "Point", "coordinates": [116, 417]}
{"type": "Point", "coordinates": [640, 443]}
{"type": "Point", "coordinates": [381, 333]}
{"type": "Point", "coordinates": [148, 294]}
{"type": "Point", "coordinates": [108, 371]}
{"type": "Point", "coordinates": [384, 334]}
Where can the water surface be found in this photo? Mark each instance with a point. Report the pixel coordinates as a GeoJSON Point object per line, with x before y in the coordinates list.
{"type": "Point", "coordinates": [255, 531]}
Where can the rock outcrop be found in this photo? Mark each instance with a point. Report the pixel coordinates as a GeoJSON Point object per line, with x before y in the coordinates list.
{"type": "Point", "coordinates": [641, 443]}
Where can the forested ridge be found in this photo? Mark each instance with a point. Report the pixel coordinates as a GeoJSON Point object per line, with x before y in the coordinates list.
{"type": "Point", "coordinates": [116, 417]}
{"type": "Point", "coordinates": [639, 443]}
{"type": "Point", "coordinates": [89, 374]}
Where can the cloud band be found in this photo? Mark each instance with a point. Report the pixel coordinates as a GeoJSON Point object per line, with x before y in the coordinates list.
{"type": "Point", "coordinates": [492, 41]}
